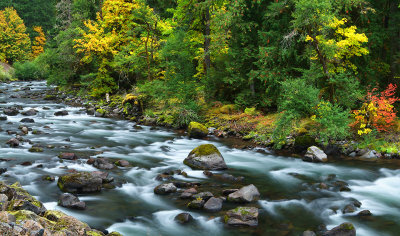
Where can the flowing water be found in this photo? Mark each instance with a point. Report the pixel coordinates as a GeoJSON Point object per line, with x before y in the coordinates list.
{"type": "Point", "coordinates": [291, 200]}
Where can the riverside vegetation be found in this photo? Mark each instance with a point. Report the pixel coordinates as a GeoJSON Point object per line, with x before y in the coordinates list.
{"type": "Point", "coordinates": [307, 78]}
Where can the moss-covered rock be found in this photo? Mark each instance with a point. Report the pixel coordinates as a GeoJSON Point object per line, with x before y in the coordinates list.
{"type": "Point", "coordinates": [346, 228]}
{"type": "Point", "coordinates": [82, 182]}
{"type": "Point", "coordinates": [242, 216]}
{"type": "Point", "coordinates": [35, 149]}
{"type": "Point", "coordinates": [205, 157]}
{"type": "Point", "coordinates": [197, 130]}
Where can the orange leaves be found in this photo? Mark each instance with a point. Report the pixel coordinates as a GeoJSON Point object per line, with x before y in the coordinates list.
{"type": "Point", "coordinates": [377, 112]}
{"type": "Point", "coordinates": [39, 42]}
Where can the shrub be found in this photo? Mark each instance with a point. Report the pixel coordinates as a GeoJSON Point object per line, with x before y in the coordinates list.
{"type": "Point", "coordinates": [4, 75]}
{"type": "Point", "coordinates": [377, 112]}
{"type": "Point", "coordinates": [28, 71]}
{"type": "Point", "coordinates": [333, 122]}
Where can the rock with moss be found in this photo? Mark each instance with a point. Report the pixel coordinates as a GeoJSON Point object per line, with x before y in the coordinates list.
{"type": "Point", "coordinates": [345, 229]}
{"type": "Point", "coordinates": [242, 216]}
{"type": "Point", "coordinates": [205, 157]}
{"type": "Point", "coordinates": [183, 218]}
{"type": "Point", "coordinates": [315, 154]}
{"type": "Point", "coordinates": [81, 182]}
{"type": "Point", "coordinates": [35, 149]}
{"type": "Point", "coordinates": [245, 194]}
{"type": "Point", "coordinates": [197, 130]}
{"type": "Point", "coordinates": [20, 199]}
{"type": "Point", "coordinates": [100, 113]}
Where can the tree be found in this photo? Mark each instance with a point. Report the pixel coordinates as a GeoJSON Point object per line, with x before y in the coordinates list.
{"type": "Point", "coordinates": [39, 42]}
{"type": "Point", "coordinates": [15, 44]}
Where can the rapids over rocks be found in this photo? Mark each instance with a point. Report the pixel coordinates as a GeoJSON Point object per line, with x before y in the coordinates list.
{"type": "Point", "coordinates": [295, 196]}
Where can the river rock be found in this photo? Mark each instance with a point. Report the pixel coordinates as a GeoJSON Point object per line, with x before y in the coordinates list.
{"type": "Point", "coordinates": [30, 112]}
{"type": "Point", "coordinates": [13, 142]}
{"type": "Point", "coordinates": [27, 120]}
{"type": "Point", "coordinates": [71, 201]}
{"type": "Point", "coordinates": [308, 233]}
{"type": "Point", "coordinates": [371, 154]}
{"type": "Point", "coordinates": [242, 216]}
{"type": "Point", "coordinates": [183, 218]}
{"type": "Point", "coordinates": [122, 163]}
{"type": "Point", "coordinates": [163, 189]}
{"type": "Point", "coordinates": [345, 229]}
{"type": "Point", "coordinates": [197, 130]}
{"type": "Point", "coordinates": [20, 199]}
{"type": "Point", "coordinates": [364, 213]}
{"type": "Point", "coordinates": [196, 204]}
{"type": "Point", "coordinates": [315, 154]}
{"type": "Point", "coordinates": [3, 118]}
{"type": "Point", "coordinates": [61, 113]}
{"type": "Point", "coordinates": [11, 111]}
{"type": "Point", "coordinates": [188, 193]}
{"type": "Point", "coordinates": [25, 130]}
{"type": "Point", "coordinates": [103, 163]}
{"type": "Point", "coordinates": [203, 195]}
{"type": "Point", "coordinates": [205, 157]}
{"type": "Point", "coordinates": [68, 156]}
{"type": "Point", "coordinates": [245, 194]}
{"type": "Point", "coordinates": [81, 182]}
{"type": "Point", "coordinates": [213, 204]}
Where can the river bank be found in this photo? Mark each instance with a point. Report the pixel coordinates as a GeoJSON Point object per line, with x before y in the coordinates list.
{"type": "Point", "coordinates": [249, 129]}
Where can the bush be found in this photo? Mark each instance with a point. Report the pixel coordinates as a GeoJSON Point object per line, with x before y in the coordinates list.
{"type": "Point", "coordinates": [28, 70]}
{"type": "Point", "coordinates": [333, 121]}
{"type": "Point", "coordinates": [297, 100]}
{"type": "Point", "coordinates": [4, 75]}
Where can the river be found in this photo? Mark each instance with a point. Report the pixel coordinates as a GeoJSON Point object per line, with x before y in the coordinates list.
{"type": "Point", "coordinates": [291, 197]}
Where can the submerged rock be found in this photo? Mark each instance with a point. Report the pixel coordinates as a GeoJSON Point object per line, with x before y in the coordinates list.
{"type": "Point", "coordinates": [30, 112]}
{"type": "Point", "coordinates": [197, 130]}
{"type": "Point", "coordinates": [183, 218]}
{"type": "Point", "coordinates": [27, 120]}
{"type": "Point", "coordinates": [71, 201]}
{"type": "Point", "coordinates": [345, 229]}
{"type": "Point", "coordinates": [242, 216]}
{"type": "Point", "coordinates": [165, 189]}
{"type": "Point", "coordinates": [61, 113]}
{"type": "Point", "coordinates": [315, 154]}
{"type": "Point", "coordinates": [13, 142]}
{"type": "Point", "coordinates": [81, 182]}
{"type": "Point", "coordinates": [205, 157]}
{"type": "Point", "coordinates": [245, 194]}
{"type": "Point", "coordinates": [68, 156]}
{"type": "Point", "coordinates": [11, 111]}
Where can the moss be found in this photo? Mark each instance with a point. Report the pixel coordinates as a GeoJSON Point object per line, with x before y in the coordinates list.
{"type": "Point", "coordinates": [347, 226]}
{"type": "Point", "coordinates": [101, 111]}
{"type": "Point", "coordinates": [114, 234]}
{"type": "Point", "coordinates": [251, 111]}
{"type": "Point", "coordinates": [35, 149]}
{"type": "Point", "coordinates": [23, 215]}
{"type": "Point", "coordinates": [205, 150]}
{"type": "Point", "coordinates": [196, 129]}
{"type": "Point", "coordinates": [94, 233]}
{"type": "Point", "coordinates": [227, 109]}
{"type": "Point", "coordinates": [53, 215]}
{"type": "Point", "coordinates": [226, 218]}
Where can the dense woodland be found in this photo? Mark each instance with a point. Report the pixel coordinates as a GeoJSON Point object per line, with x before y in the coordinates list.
{"type": "Point", "coordinates": [329, 68]}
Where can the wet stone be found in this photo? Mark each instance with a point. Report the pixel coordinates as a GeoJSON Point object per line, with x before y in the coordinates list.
{"type": "Point", "coordinates": [183, 218]}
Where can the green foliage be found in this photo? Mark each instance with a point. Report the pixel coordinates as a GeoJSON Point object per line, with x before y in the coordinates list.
{"type": "Point", "coordinates": [5, 75]}
{"type": "Point", "coordinates": [333, 122]}
{"type": "Point", "coordinates": [29, 70]}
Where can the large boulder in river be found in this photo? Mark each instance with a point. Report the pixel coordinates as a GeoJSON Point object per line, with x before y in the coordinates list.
{"type": "Point", "coordinates": [205, 157]}
{"type": "Point", "coordinates": [13, 142]}
{"type": "Point", "coordinates": [197, 130]}
{"type": "Point", "coordinates": [242, 216]}
{"type": "Point", "coordinates": [315, 154]}
{"type": "Point", "coordinates": [103, 163]}
{"type": "Point", "coordinates": [71, 201]}
{"type": "Point", "coordinates": [345, 229]}
{"type": "Point", "coordinates": [81, 182]}
{"type": "Point", "coordinates": [246, 194]}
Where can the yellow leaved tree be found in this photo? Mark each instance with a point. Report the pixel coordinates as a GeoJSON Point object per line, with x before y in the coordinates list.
{"type": "Point", "coordinates": [38, 42]}
{"type": "Point", "coordinates": [123, 39]}
{"type": "Point", "coordinates": [15, 44]}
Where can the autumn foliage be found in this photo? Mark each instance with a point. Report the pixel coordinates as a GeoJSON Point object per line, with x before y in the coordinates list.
{"type": "Point", "coordinates": [38, 42]}
{"type": "Point", "coordinates": [15, 44]}
{"type": "Point", "coordinates": [377, 112]}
